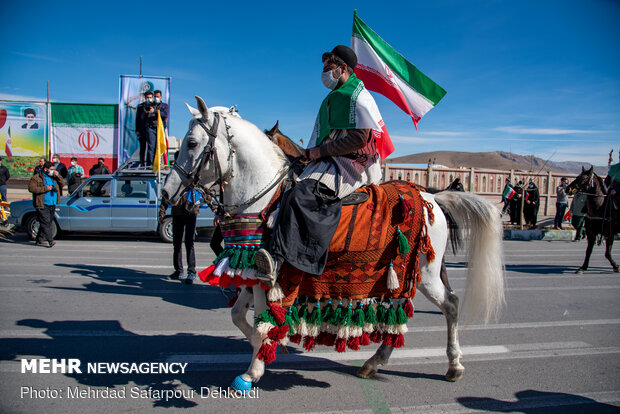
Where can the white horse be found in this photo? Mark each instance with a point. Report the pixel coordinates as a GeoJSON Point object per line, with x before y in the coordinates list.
{"type": "Point", "coordinates": [225, 150]}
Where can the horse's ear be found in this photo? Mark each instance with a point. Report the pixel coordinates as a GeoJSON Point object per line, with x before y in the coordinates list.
{"type": "Point", "coordinates": [583, 169]}
{"type": "Point", "coordinates": [202, 107]}
{"type": "Point", "coordinates": [591, 170]}
{"type": "Point", "coordinates": [272, 132]}
{"type": "Point", "coordinates": [195, 112]}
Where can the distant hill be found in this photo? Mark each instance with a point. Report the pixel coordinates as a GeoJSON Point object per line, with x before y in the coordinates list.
{"type": "Point", "coordinates": [498, 160]}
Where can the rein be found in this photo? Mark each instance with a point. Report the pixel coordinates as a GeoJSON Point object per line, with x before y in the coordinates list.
{"type": "Point", "coordinates": [210, 153]}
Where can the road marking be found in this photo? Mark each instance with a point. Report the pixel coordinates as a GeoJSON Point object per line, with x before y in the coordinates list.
{"type": "Point", "coordinates": [551, 400]}
{"type": "Point", "coordinates": [51, 333]}
{"type": "Point", "coordinates": [226, 359]}
{"type": "Point", "coordinates": [372, 393]}
{"type": "Point", "coordinates": [116, 289]}
{"type": "Point", "coordinates": [128, 290]}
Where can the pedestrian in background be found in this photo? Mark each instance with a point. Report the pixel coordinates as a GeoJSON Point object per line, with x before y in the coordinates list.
{"type": "Point", "coordinates": [4, 177]}
{"type": "Point", "coordinates": [578, 215]}
{"type": "Point", "coordinates": [76, 174]}
{"type": "Point", "coordinates": [507, 194]}
{"type": "Point", "coordinates": [532, 204]}
{"type": "Point", "coordinates": [515, 204]}
{"type": "Point", "coordinates": [561, 203]}
{"type": "Point", "coordinates": [99, 169]}
{"type": "Point", "coordinates": [39, 167]}
{"type": "Point", "coordinates": [184, 216]}
{"type": "Point", "coordinates": [60, 167]}
{"type": "Point", "coordinates": [456, 185]}
{"type": "Point", "coordinates": [46, 188]}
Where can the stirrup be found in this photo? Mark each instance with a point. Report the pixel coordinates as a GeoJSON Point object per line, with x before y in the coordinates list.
{"type": "Point", "coordinates": [265, 267]}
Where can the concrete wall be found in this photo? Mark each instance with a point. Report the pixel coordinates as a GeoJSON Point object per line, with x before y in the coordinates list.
{"type": "Point", "coordinates": [488, 183]}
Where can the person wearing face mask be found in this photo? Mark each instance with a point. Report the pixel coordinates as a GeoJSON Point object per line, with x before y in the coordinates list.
{"type": "Point", "coordinates": [162, 107]}
{"type": "Point", "coordinates": [4, 177]}
{"type": "Point", "coordinates": [59, 166]}
{"type": "Point", "coordinates": [99, 169]}
{"type": "Point", "coordinates": [76, 174]}
{"type": "Point", "coordinates": [46, 190]}
{"type": "Point", "coordinates": [146, 129]}
{"type": "Point", "coordinates": [341, 157]}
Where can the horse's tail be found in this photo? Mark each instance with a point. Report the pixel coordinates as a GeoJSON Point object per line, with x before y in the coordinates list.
{"type": "Point", "coordinates": [484, 291]}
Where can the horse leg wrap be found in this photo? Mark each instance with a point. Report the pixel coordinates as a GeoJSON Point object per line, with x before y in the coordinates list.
{"type": "Point", "coordinates": [239, 384]}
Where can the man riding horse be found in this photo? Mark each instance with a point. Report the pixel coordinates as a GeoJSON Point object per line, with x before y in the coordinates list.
{"type": "Point", "coordinates": [342, 156]}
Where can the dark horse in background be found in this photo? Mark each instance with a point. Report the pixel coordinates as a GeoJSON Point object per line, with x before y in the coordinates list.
{"type": "Point", "coordinates": [600, 217]}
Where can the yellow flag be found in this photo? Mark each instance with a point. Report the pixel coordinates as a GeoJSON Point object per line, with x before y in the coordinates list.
{"type": "Point", "coordinates": [161, 146]}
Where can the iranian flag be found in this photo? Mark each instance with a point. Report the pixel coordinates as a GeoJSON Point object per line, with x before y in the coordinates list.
{"type": "Point", "coordinates": [384, 70]}
{"type": "Point", "coordinates": [7, 144]}
{"type": "Point", "coordinates": [509, 192]}
{"type": "Point", "coordinates": [84, 131]}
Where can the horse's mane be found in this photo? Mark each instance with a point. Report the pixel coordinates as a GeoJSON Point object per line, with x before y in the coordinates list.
{"type": "Point", "coordinates": [237, 119]}
{"type": "Point", "coordinates": [601, 183]}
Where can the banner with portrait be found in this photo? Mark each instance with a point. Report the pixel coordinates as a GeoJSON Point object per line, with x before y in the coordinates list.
{"type": "Point", "coordinates": [84, 131]}
{"type": "Point", "coordinates": [131, 94]}
{"type": "Point", "coordinates": [23, 135]}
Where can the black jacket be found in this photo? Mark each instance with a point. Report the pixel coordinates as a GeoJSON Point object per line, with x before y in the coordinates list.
{"type": "Point", "coordinates": [98, 170]}
{"type": "Point", "coordinates": [4, 175]}
{"type": "Point", "coordinates": [62, 170]}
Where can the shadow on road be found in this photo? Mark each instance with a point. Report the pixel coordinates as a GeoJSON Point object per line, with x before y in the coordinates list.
{"type": "Point", "coordinates": [535, 402]}
{"type": "Point", "coordinates": [107, 341]}
{"type": "Point", "coordinates": [133, 282]}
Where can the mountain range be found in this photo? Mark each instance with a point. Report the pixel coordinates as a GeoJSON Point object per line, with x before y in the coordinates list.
{"type": "Point", "coordinates": [497, 160]}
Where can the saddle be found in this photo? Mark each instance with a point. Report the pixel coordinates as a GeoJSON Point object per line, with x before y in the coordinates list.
{"type": "Point", "coordinates": [365, 292]}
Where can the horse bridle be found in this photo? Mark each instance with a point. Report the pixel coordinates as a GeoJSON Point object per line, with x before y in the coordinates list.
{"type": "Point", "coordinates": [210, 153]}
{"type": "Point", "coordinates": [591, 185]}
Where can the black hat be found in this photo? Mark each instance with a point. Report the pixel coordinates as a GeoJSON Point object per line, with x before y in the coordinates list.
{"type": "Point", "coordinates": [346, 54]}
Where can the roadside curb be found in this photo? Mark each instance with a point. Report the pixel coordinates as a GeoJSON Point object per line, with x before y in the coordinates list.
{"type": "Point", "coordinates": [549, 235]}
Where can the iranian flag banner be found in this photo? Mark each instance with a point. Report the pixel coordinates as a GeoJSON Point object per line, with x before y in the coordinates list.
{"type": "Point", "coordinates": [384, 70]}
{"type": "Point", "coordinates": [84, 131]}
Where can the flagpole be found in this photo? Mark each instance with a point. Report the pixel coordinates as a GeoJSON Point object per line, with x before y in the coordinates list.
{"type": "Point", "coordinates": [49, 121]}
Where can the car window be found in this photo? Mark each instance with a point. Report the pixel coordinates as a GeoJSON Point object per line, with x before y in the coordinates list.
{"type": "Point", "coordinates": [131, 188]}
{"type": "Point", "coordinates": [97, 188]}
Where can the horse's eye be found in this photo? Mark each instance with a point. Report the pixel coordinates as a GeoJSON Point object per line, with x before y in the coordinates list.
{"type": "Point", "coordinates": [192, 144]}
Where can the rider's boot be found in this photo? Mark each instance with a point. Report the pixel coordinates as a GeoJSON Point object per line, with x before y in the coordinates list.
{"type": "Point", "coordinates": [267, 267]}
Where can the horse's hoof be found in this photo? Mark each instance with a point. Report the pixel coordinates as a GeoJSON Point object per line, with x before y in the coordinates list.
{"type": "Point", "coordinates": [455, 374]}
{"type": "Point", "coordinates": [579, 272]}
{"type": "Point", "coordinates": [616, 269]}
{"type": "Point", "coordinates": [239, 384]}
{"type": "Point", "coordinates": [366, 372]}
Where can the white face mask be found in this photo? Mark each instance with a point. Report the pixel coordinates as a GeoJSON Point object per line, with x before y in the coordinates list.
{"type": "Point", "coordinates": [158, 100]}
{"type": "Point", "coordinates": [328, 79]}
{"type": "Point", "coordinates": [73, 162]}
{"type": "Point", "coordinates": [50, 173]}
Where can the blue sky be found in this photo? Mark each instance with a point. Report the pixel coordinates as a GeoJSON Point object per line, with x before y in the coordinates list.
{"type": "Point", "coordinates": [530, 77]}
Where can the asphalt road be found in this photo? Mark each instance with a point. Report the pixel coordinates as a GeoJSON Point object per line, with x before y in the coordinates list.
{"type": "Point", "coordinates": [555, 348]}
